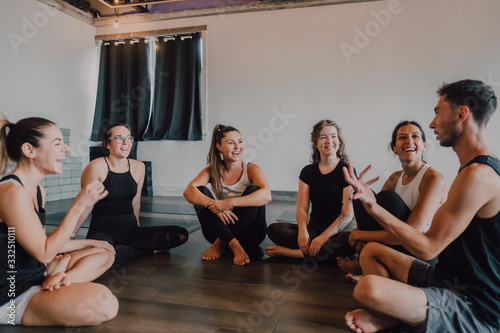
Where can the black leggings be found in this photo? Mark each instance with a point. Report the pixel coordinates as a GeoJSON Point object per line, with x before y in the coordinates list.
{"type": "Point", "coordinates": [393, 203]}
{"type": "Point", "coordinates": [249, 230]}
{"type": "Point", "coordinates": [131, 241]}
{"type": "Point", "coordinates": [286, 235]}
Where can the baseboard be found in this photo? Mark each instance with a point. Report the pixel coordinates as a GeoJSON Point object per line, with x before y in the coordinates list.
{"type": "Point", "coordinates": [171, 191]}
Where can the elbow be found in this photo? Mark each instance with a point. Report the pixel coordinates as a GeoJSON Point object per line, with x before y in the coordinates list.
{"type": "Point", "coordinates": [268, 197]}
{"type": "Point", "coordinates": [44, 259]}
{"type": "Point", "coordinates": [427, 255]}
{"type": "Point", "coordinates": [265, 196]}
{"type": "Point", "coordinates": [187, 195]}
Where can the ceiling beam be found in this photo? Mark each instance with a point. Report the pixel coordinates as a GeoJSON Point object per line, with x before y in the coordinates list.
{"type": "Point", "coordinates": [141, 9]}
{"type": "Point", "coordinates": [221, 10]}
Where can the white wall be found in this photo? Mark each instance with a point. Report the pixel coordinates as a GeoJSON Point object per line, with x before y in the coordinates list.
{"type": "Point", "coordinates": [48, 68]}
{"type": "Point", "coordinates": [261, 64]}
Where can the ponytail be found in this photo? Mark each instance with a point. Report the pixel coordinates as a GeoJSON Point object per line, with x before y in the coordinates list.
{"type": "Point", "coordinates": [28, 130]}
{"type": "Point", "coordinates": [215, 161]}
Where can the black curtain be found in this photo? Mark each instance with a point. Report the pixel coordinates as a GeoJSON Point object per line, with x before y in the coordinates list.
{"type": "Point", "coordinates": [176, 113]}
{"type": "Point", "coordinates": [124, 87]}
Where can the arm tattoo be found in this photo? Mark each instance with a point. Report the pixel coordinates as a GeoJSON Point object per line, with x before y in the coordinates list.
{"type": "Point", "coordinates": [345, 219]}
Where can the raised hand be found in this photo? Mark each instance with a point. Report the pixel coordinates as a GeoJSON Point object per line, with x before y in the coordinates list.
{"type": "Point", "coordinates": [90, 194]}
{"type": "Point", "coordinates": [362, 189]}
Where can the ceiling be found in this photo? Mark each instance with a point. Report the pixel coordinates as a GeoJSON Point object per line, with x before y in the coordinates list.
{"type": "Point", "coordinates": [102, 13]}
{"type": "Point", "coordinates": [107, 8]}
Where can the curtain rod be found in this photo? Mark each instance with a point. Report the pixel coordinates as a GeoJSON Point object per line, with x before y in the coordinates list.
{"type": "Point", "coordinates": [151, 33]}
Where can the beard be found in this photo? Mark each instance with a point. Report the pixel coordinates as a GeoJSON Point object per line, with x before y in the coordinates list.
{"type": "Point", "coordinates": [450, 137]}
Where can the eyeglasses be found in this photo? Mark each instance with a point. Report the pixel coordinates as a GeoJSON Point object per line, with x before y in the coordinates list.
{"type": "Point", "coordinates": [119, 139]}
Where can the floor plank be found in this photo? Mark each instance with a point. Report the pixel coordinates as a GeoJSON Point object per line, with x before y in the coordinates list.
{"type": "Point", "coordinates": [178, 292]}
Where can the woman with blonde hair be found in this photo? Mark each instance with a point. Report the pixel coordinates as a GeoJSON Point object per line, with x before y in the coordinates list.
{"type": "Point", "coordinates": [36, 146]}
{"type": "Point", "coordinates": [321, 185]}
{"type": "Point", "coordinates": [236, 216]}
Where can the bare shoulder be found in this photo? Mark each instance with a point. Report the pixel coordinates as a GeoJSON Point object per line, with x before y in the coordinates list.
{"type": "Point", "coordinates": [139, 165]}
{"type": "Point", "coordinates": [390, 183]}
{"type": "Point", "coordinates": [96, 170]}
{"type": "Point", "coordinates": [480, 174]}
{"type": "Point", "coordinates": [98, 164]}
{"type": "Point", "coordinates": [254, 170]}
{"type": "Point", "coordinates": [12, 194]}
{"type": "Point", "coordinates": [433, 176]}
{"type": "Point", "coordinates": [253, 167]}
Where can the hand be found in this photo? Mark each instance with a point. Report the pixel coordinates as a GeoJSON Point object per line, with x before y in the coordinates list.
{"type": "Point", "coordinates": [304, 241]}
{"type": "Point", "coordinates": [103, 244]}
{"type": "Point", "coordinates": [219, 206]}
{"type": "Point", "coordinates": [227, 217]}
{"type": "Point", "coordinates": [359, 247]}
{"type": "Point", "coordinates": [90, 194]}
{"type": "Point", "coordinates": [353, 237]}
{"type": "Point", "coordinates": [363, 190]}
{"type": "Point", "coordinates": [316, 244]}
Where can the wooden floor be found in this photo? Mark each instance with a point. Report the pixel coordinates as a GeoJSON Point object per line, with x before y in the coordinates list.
{"type": "Point", "coordinates": [178, 292]}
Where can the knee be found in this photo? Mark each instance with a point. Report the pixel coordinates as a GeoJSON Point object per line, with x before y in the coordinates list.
{"type": "Point", "coordinates": [369, 252]}
{"type": "Point", "coordinates": [204, 190]}
{"type": "Point", "coordinates": [107, 304]}
{"type": "Point", "coordinates": [367, 289]}
{"type": "Point", "coordinates": [250, 189]}
{"type": "Point", "coordinates": [272, 230]}
{"type": "Point", "coordinates": [109, 258]}
{"type": "Point", "coordinates": [388, 199]}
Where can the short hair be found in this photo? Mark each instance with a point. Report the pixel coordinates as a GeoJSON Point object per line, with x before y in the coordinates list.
{"type": "Point", "coordinates": [476, 95]}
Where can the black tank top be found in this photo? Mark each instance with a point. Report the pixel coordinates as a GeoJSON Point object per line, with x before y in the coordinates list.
{"type": "Point", "coordinates": [122, 189]}
{"type": "Point", "coordinates": [27, 271]}
{"type": "Point", "coordinates": [471, 263]}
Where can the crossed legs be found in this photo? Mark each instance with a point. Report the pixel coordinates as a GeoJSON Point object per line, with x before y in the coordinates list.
{"type": "Point", "coordinates": [383, 294]}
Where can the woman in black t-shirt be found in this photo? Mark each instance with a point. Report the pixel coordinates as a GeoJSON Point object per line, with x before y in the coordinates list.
{"type": "Point", "coordinates": [321, 185]}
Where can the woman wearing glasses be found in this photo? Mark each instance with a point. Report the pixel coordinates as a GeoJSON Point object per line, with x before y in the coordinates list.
{"type": "Point", "coordinates": [116, 217]}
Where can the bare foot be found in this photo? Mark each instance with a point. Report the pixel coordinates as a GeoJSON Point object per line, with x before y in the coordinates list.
{"type": "Point", "coordinates": [214, 251]}
{"type": "Point", "coordinates": [58, 264]}
{"type": "Point", "coordinates": [363, 321]}
{"type": "Point", "coordinates": [349, 266]}
{"type": "Point", "coordinates": [354, 278]}
{"type": "Point", "coordinates": [240, 256]}
{"type": "Point", "coordinates": [280, 251]}
{"type": "Point", "coordinates": [55, 281]}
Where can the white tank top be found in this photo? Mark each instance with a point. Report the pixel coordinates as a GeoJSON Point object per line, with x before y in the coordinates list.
{"type": "Point", "coordinates": [410, 192]}
{"type": "Point", "coordinates": [236, 190]}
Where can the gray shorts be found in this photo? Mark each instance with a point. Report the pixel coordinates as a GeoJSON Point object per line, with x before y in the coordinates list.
{"type": "Point", "coordinates": [448, 310]}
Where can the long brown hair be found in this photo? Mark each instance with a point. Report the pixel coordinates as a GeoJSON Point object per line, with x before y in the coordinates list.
{"type": "Point", "coordinates": [215, 162]}
{"type": "Point", "coordinates": [13, 136]}
{"type": "Point", "coordinates": [315, 136]}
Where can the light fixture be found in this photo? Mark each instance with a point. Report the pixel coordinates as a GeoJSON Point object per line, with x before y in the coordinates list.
{"type": "Point", "coordinates": [116, 18]}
